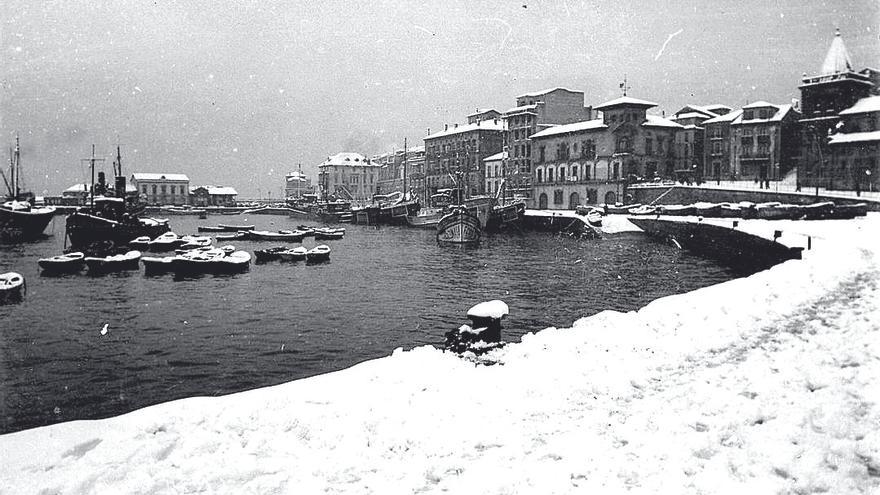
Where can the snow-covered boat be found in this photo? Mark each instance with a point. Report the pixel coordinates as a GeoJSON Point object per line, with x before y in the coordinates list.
{"type": "Point", "coordinates": [12, 286]}
{"type": "Point", "coordinates": [644, 210]}
{"type": "Point", "coordinates": [20, 220]}
{"type": "Point", "coordinates": [155, 265]}
{"type": "Point", "coordinates": [776, 211]}
{"type": "Point", "coordinates": [193, 242]}
{"type": "Point", "coordinates": [66, 263]}
{"type": "Point", "coordinates": [231, 237]}
{"type": "Point", "coordinates": [127, 261]}
{"type": "Point", "coordinates": [727, 210]}
{"type": "Point", "coordinates": [818, 211]}
{"type": "Point", "coordinates": [216, 260]}
{"type": "Point", "coordinates": [318, 253]}
{"type": "Point", "coordinates": [142, 242]}
{"type": "Point", "coordinates": [676, 210]}
{"type": "Point", "coordinates": [236, 228]}
{"type": "Point", "coordinates": [594, 218]}
{"type": "Point", "coordinates": [298, 253]}
{"type": "Point", "coordinates": [849, 211]}
{"type": "Point", "coordinates": [268, 254]}
{"type": "Point", "coordinates": [329, 234]}
{"type": "Point", "coordinates": [707, 209]}
{"type": "Point", "coordinates": [281, 235]}
{"type": "Point", "coordinates": [169, 241]}
{"type": "Point", "coordinates": [620, 209]}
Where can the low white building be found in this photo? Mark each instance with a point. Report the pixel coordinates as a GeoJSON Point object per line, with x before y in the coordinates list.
{"type": "Point", "coordinates": [494, 167]}
{"type": "Point", "coordinates": [212, 196]}
{"type": "Point", "coordinates": [161, 189]}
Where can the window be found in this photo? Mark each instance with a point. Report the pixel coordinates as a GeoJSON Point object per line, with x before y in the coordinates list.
{"type": "Point", "coordinates": [649, 146]}
{"type": "Point", "coordinates": [748, 115]}
{"type": "Point", "coordinates": [561, 173]}
{"type": "Point", "coordinates": [163, 188]}
{"type": "Point", "coordinates": [574, 170]}
{"type": "Point", "coordinates": [623, 144]}
{"type": "Point", "coordinates": [173, 190]}
{"type": "Point", "coordinates": [540, 175]}
{"type": "Point", "coordinates": [144, 189]}
{"type": "Point", "coordinates": [549, 175]}
{"type": "Point", "coordinates": [541, 154]}
{"type": "Point", "coordinates": [557, 197]}
{"type": "Point", "coordinates": [154, 189]}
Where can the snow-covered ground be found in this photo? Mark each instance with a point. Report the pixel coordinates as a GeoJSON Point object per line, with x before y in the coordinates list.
{"type": "Point", "coordinates": [767, 384]}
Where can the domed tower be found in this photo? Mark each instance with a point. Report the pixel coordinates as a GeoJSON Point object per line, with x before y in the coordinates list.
{"type": "Point", "coordinates": [823, 97]}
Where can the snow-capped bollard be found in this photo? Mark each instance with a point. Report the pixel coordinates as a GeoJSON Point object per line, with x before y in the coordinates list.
{"type": "Point", "coordinates": [484, 332]}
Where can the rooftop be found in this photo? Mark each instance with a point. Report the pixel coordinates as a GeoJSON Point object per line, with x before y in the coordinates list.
{"type": "Point", "coordinates": [781, 111]}
{"type": "Point", "coordinates": [864, 105]}
{"type": "Point", "coordinates": [348, 159]}
{"type": "Point", "coordinates": [496, 157]}
{"type": "Point", "coordinates": [151, 176]}
{"type": "Point", "coordinates": [728, 117]}
{"type": "Point", "coordinates": [623, 101]}
{"type": "Point", "coordinates": [854, 137]}
{"type": "Point", "coordinates": [837, 59]}
{"type": "Point", "coordinates": [524, 108]}
{"type": "Point", "coordinates": [546, 91]}
{"type": "Point", "coordinates": [484, 125]}
{"type": "Point", "coordinates": [586, 125]}
{"type": "Point", "coordinates": [657, 121]}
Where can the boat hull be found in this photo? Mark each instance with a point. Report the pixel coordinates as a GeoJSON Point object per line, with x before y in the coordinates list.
{"type": "Point", "coordinates": [84, 230]}
{"type": "Point", "coordinates": [25, 225]}
{"type": "Point", "coordinates": [459, 227]}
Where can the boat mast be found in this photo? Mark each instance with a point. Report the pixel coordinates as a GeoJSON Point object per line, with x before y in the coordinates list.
{"type": "Point", "coordinates": [16, 166]}
{"type": "Point", "coordinates": [92, 161]}
{"type": "Point", "coordinates": [404, 169]}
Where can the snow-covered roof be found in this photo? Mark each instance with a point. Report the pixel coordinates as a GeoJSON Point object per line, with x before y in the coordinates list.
{"type": "Point", "coordinates": [484, 125]}
{"type": "Point", "coordinates": [837, 59]}
{"type": "Point", "coordinates": [586, 125]}
{"type": "Point", "coordinates": [151, 176]}
{"type": "Point", "coordinates": [758, 104]}
{"type": "Point", "coordinates": [657, 121]}
{"type": "Point", "coordinates": [625, 101]}
{"type": "Point", "coordinates": [348, 159]}
{"type": "Point", "coordinates": [221, 191]}
{"type": "Point", "coordinates": [864, 105]}
{"type": "Point", "coordinates": [692, 126]}
{"type": "Point", "coordinates": [781, 111]}
{"type": "Point", "coordinates": [496, 157]}
{"type": "Point", "coordinates": [546, 91]}
{"type": "Point", "coordinates": [692, 111]}
{"type": "Point", "coordinates": [481, 111]}
{"type": "Point", "coordinates": [77, 188]}
{"type": "Point", "coordinates": [727, 117]}
{"type": "Point", "coordinates": [524, 108]}
{"type": "Point", "coordinates": [694, 115]}
{"type": "Point", "coordinates": [717, 106]}
{"type": "Point", "coordinates": [854, 137]}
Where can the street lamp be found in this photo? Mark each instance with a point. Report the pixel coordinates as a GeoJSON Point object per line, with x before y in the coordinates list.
{"type": "Point", "coordinates": [868, 178]}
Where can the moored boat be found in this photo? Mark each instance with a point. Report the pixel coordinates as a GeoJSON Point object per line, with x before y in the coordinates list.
{"type": "Point", "coordinates": [155, 265]}
{"type": "Point", "coordinates": [268, 254]}
{"type": "Point", "coordinates": [318, 253]}
{"type": "Point", "coordinates": [328, 234]}
{"type": "Point", "coordinates": [459, 226]}
{"type": "Point", "coordinates": [192, 242]}
{"type": "Point", "coordinates": [676, 210]}
{"type": "Point", "coordinates": [594, 218]}
{"type": "Point", "coordinates": [298, 253]}
{"type": "Point", "coordinates": [216, 260]}
{"type": "Point", "coordinates": [849, 211]}
{"type": "Point", "coordinates": [500, 216]}
{"type": "Point", "coordinates": [777, 211]}
{"type": "Point", "coordinates": [281, 235]}
{"type": "Point", "coordinates": [644, 210]}
{"type": "Point", "coordinates": [12, 286]}
{"type": "Point", "coordinates": [116, 262]}
{"type": "Point", "coordinates": [818, 211]}
{"type": "Point", "coordinates": [231, 236]}
{"type": "Point", "coordinates": [707, 209]}
{"type": "Point", "coordinates": [209, 228]}
{"type": "Point", "coordinates": [236, 228]}
{"type": "Point", "coordinates": [169, 241]}
{"type": "Point", "coordinates": [426, 218]}
{"type": "Point", "coordinates": [727, 210]}
{"type": "Point", "coordinates": [620, 209]}
{"type": "Point", "coordinates": [19, 219]}
{"type": "Point", "coordinates": [63, 263]}
{"type": "Point", "coordinates": [142, 242]}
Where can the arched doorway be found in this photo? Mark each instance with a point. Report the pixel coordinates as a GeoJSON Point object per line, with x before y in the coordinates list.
{"type": "Point", "coordinates": [574, 200]}
{"type": "Point", "coordinates": [610, 198]}
{"type": "Point", "coordinates": [542, 201]}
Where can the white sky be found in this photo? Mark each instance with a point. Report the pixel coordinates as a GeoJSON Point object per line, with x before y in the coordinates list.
{"type": "Point", "coordinates": [237, 93]}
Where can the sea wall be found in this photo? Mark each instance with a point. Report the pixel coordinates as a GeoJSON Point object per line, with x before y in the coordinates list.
{"type": "Point", "coordinates": [671, 195]}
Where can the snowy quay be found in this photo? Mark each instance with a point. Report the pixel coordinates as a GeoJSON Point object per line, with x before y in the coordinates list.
{"type": "Point", "coordinates": [763, 384]}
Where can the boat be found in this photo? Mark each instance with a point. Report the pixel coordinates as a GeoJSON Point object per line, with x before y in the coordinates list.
{"type": "Point", "coordinates": [183, 210]}
{"type": "Point", "coordinates": [268, 254]}
{"type": "Point", "coordinates": [501, 216]}
{"type": "Point", "coordinates": [12, 286]}
{"type": "Point", "coordinates": [236, 228]}
{"type": "Point", "coordinates": [818, 211]}
{"type": "Point", "coordinates": [298, 253]}
{"type": "Point", "coordinates": [208, 228]}
{"type": "Point", "coordinates": [281, 235]}
{"type": "Point", "coordinates": [308, 231]}
{"type": "Point", "coordinates": [116, 262]}
{"type": "Point", "coordinates": [849, 211]}
{"type": "Point", "coordinates": [674, 210]}
{"type": "Point", "coordinates": [231, 237]}
{"type": "Point", "coordinates": [142, 242]}
{"type": "Point", "coordinates": [459, 226]}
{"type": "Point", "coordinates": [156, 265]}
{"type": "Point", "coordinates": [594, 218]}
{"type": "Point", "coordinates": [19, 218]}
{"type": "Point", "coordinates": [707, 209]}
{"type": "Point", "coordinates": [216, 260]}
{"type": "Point", "coordinates": [333, 211]}
{"type": "Point", "coordinates": [63, 263]}
{"type": "Point", "coordinates": [169, 241]}
{"type": "Point", "coordinates": [193, 242]}
{"type": "Point", "coordinates": [365, 215]}
{"type": "Point", "coordinates": [318, 253]}
{"type": "Point", "coordinates": [644, 210]}
{"type": "Point", "coordinates": [426, 218]}
{"type": "Point", "coordinates": [728, 210]}
{"type": "Point", "coordinates": [777, 211]}
{"type": "Point", "coordinates": [620, 209]}
{"type": "Point", "coordinates": [328, 234]}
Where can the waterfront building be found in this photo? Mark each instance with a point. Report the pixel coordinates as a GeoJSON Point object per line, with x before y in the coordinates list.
{"type": "Point", "coordinates": [391, 170]}
{"type": "Point", "coordinates": [161, 189]}
{"type": "Point", "coordinates": [494, 167]}
{"type": "Point", "coordinates": [855, 146]}
{"type": "Point", "coordinates": [483, 114]}
{"type": "Point", "coordinates": [592, 162]}
{"type": "Point", "coordinates": [461, 148]}
{"type": "Point", "coordinates": [348, 176]}
{"type": "Point", "coordinates": [690, 141]}
{"type": "Point", "coordinates": [836, 88]}
{"type": "Point", "coordinates": [533, 113]}
{"type": "Point", "coordinates": [718, 146]}
{"type": "Point", "coordinates": [766, 141]}
{"type": "Point", "coordinates": [212, 196]}
{"type": "Point", "coordinates": [296, 184]}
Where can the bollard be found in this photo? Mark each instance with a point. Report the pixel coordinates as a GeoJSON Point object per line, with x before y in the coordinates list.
{"type": "Point", "coordinates": [484, 332]}
{"type": "Point", "coordinates": [809, 242]}
{"type": "Point", "coordinates": [735, 223]}
{"type": "Point", "coordinates": [776, 235]}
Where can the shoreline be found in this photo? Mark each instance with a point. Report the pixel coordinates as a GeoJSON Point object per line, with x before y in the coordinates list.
{"type": "Point", "coordinates": [595, 405]}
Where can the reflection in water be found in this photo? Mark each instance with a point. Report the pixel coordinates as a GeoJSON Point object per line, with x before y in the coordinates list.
{"type": "Point", "coordinates": [170, 337]}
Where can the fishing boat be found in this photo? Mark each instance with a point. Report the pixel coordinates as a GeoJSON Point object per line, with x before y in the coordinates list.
{"type": "Point", "coordinates": [112, 263]}
{"type": "Point", "coordinates": [169, 241]}
{"type": "Point", "coordinates": [298, 253]}
{"type": "Point", "coordinates": [503, 215]}
{"type": "Point", "coordinates": [318, 253]}
{"type": "Point", "coordinates": [12, 286]}
{"type": "Point", "coordinates": [365, 215]}
{"type": "Point", "coordinates": [459, 226]}
{"type": "Point", "coordinates": [426, 218]}
{"type": "Point", "coordinates": [269, 254]}
{"type": "Point", "coordinates": [281, 235]}
{"type": "Point", "coordinates": [63, 263]}
{"type": "Point", "coordinates": [19, 218]}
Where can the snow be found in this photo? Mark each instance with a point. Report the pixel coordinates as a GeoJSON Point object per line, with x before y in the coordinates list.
{"type": "Point", "coordinates": [586, 125]}
{"type": "Point", "coordinates": [854, 137]}
{"type": "Point", "coordinates": [764, 384]}
{"type": "Point", "coordinates": [494, 309]}
{"type": "Point", "coordinates": [868, 104]}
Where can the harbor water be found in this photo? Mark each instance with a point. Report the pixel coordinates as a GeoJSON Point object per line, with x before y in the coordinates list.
{"type": "Point", "coordinates": [168, 337]}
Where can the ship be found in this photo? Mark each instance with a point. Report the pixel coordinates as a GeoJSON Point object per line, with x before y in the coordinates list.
{"type": "Point", "coordinates": [20, 219]}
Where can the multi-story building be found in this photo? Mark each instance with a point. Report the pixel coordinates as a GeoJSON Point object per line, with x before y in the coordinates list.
{"type": "Point", "coordinates": [296, 184]}
{"type": "Point", "coordinates": [823, 97]}
{"type": "Point", "coordinates": [593, 161]}
{"type": "Point", "coordinates": [162, 189]}
{"type": "Point", "coordinates": [348, 176]}
{"type": "Point", "coordinates": [494, 167]}
{"type": "Point", "coordinates": [533, 113]}
{"type": "Point", "coordinates": [391, 170]}
{"type": "Point", "coordinates": [855, 147]}
{"type": "Point", "coordinates": [461, 149]}
{"type": "Point", "coordinates": [690, 140]}
{"type": "Point", "coordinates": [212, 196]}
{"type": "Point", "coordinates": [483, 114]}
{"type": "Point", "coordinates": [766, 143]}
{"type": "Point", "coordinates": [718, 147]}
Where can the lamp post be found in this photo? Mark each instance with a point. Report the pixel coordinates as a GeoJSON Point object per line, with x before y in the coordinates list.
{"type": "Point", "coordinates": [868, 178]}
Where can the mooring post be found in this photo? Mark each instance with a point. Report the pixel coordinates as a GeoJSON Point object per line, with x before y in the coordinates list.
{"type": "Point", "coordinates": [484, 332]}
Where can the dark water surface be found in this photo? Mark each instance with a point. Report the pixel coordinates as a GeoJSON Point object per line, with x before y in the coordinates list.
{"type": "Point", "coordinates": [383, 288]}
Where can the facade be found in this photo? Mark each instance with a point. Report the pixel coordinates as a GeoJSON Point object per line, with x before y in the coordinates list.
{"type": "Point", "coordinates": [690, 142]}
{"type": "Point", "coordinates": [212, 196]}
{"type": "Point", "coordinates": [162, 189]}
{"type": "Point", "coordinates": [391, 171]}
{"type": "Point", "coordinates": [823, 97]}
{"type": "Point", "coordinates": [766, 141]}
{"type": "Point", "coordinates": [461, 149]}
{"type": "Point", "coordinates": [855, 147]}
{"type": "Point", "coordinates": [533, 113]}
{"type": "Point", "coordinates": [349, 176]}
{"type": "Point", "coordinates": [296, 184]}
{"type": "Point", "coordinates": [591, 162]}
{"type": "Point", "coordinates": [483, 114]}
{"type": "Point", "coordinates": [494, 167]}
{"type": "Point", "coordinates": [718, 147]}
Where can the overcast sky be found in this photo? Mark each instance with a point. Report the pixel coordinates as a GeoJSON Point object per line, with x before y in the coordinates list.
{"type": "Point", "coordinates": [238, 93]}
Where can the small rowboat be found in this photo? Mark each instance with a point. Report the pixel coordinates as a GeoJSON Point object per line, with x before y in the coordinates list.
{"type": "Point", "coordinates": [70, 262]}
{"type": "Point", "coordinates": [217, 260]}
{"type": "Point", "coordinates": [142, 242]}
{"type": "Point", "coordinates": [153, 265]}
{"type": "Point", "coordinates": [318, 253]}
{"type": "Point", "coordinates": [193, 242]}
{"type": "Point", "coordinates": [643, 210]}
{"type": "Point", "coordinates": [231, 237]}
{"type": "Point", "coordinates": [329, 235]}
{"type": "Point", "coordinates": [306, 230]}
{"type": "Point", "coordinates": [594, 218]}
{"type": "Point", "coordinates": [166, 242]}
{"type": "Point", "coordinates": [281, 235]}
{"type": "Point", "coordinates": [272, 253]}
{"type": "Point", "coordinates": [12, 286]}
{"type": "Point", "coordinates": [127, 261]}
{"type": "Point", "coordinates": [203, 228]}
{"type": "Point", "coordinates": [236, 228]}
{"type": "Point", "coordinates": [296, 254]}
